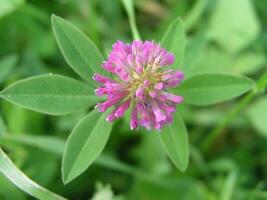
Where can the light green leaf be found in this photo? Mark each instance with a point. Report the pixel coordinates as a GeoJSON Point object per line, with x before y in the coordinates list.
{"type": "Point", "coordinates": [6, 65]}
{"type": "Point", "coordinates": [9, 169]}
{"type": "Point", "coordinates": [207, 89]}
{"type": "Point", "coordinates": [234, 28]}
{"type": "Point", "coordinates": [85, 144]}
{"type": "Point", "coordinates": [51, 144]}
{"type": "Point", "coordinates": [8, 6]}
{"type": "Point", "coordinates": [78, 50]}
{"type": "Point", "coordinates": [50, 94]}
{"type": "Point", "coordinates": [129, 8]}
{"type": "Point", "coordinates": [174, 41]}
{"type": "Point", "coordinates": [175, 142]}
{"type": "Point", "coordinates": [258, 115]}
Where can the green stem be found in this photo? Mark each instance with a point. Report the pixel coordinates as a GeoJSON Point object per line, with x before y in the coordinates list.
{"type": "Point", "coordinates": [211, 138]}
{"type": "Point", "coordinates": [129, 7]}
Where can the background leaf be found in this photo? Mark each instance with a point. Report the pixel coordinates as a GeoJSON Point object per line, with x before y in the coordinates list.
{"type": "Point", "coordinates": [227, 24]}
{"type": "Point", "coordinates": [8, 6]}
{"type": "Point", "coordinates": [22, 181]}
{"type": "Point", "coordinates": [6, 65]}
{"type": "Point", "coordinates": [175, 142]}
{"type": "Point", "coordinates": [78, 50]}
{"type": "Point", "coordinates": [85, 144]}
{"type": "Point", "coordinates": [258, 115]}
{"type": "Point", "coordinates": [174, 41]}
{"type": "Point", "coordinates": [50, 94]}
{"type": "Point", "coordinates": [207, 89]}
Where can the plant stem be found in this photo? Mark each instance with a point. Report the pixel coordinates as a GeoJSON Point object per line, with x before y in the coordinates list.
{"type": "Point", "coordinates": [211, 138]}
{"type": "Point", "coordinates": [129, 7]}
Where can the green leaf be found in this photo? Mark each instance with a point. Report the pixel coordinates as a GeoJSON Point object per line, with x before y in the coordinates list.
{"type": "Point", "coordinates": [9, 169]}
{"type": "Point", "coordinates": [234, 28]}
{"type": "Point", "coordinates": [6, 65]}
{"type": "Point", "coordinates": [78, 50]}
{"type": "Point", "coordinates": [51, 144]}
{"type": "Point", "coordinates": [129, 8]}
{"type": "Point", "coordinates": [258, 115]}
{"type": "Point", "coordinates": [85, 144]}
{"type": "Point", "coordinates": [175, 142]}
{"type": "Point", "coordinates": [174, 41]}
{"type": "Point", "coordinates": [8, 6]}
{"type": "Point", "coordinates": [50, 94]}
{"type": "Point", "coordinates": [207, 89]}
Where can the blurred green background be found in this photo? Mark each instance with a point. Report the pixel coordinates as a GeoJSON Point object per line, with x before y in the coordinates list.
{"type": "Point", "coordinates": [228, 36]}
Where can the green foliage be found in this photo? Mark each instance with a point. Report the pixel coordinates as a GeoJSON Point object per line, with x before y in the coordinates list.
{"type": "Point", "coordinates": [225, 41]}
{"type": "Point", "coordinates": [175, 142]}
{"type": "Point", "coordinates": [207, 89]}
{"type": "Point", "coordinates": [51, 94]}
{"type": "Point", "coordinates": [22, 181]}
{"type": "Point", "coordinates": [84, 145]}
{"type": "Point", "coordinates": [79, 51]}
{"type": "Point", "coordinates": [174, 41]}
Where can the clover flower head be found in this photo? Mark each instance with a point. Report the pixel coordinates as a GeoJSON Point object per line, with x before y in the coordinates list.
{"type": "Point", "coordinates": [140, 83]}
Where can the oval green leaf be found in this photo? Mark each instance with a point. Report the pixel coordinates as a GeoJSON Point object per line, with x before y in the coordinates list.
{"type": "Point", "coordinates": [10, 170]}
{"type": "Point", "coordinates": [208, 89]}
{"type": "Point", "coordinates": [78, 50]}
{"type": "Point", "coordinates": [84, 145]}
{"type": "Point", "coordinates": [50, 94]}
{"type": "Point", "coordinates": [174, 41]}
{"type": "Point", "coordinates": [175, 142]}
